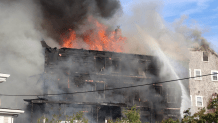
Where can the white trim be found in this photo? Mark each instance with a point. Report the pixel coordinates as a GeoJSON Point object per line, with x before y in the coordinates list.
{"type": "Point", "coordinates": [190, 73]}
{"type": "Point", "coordinates": [212, 75]}
{"type": "Point", "coordinates": [11, 111]}
{"type": "Point", "coordinates": [191, 99]}
{"type": "Point", "coordinates": [203, 57]}
{"type": "Point", "coordinates": [196, 101]}
{"type": "Point", "coordinates": [197, 78]}
{"type": "Point", "coordinates": [3, 77]}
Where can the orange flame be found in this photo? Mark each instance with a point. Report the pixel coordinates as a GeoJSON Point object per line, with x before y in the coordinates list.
{"type": "Point", "coordinates": [95, 39]}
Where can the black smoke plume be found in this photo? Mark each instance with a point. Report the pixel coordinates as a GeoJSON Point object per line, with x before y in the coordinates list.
{"type": "Point", "coordinates": [61, 15]}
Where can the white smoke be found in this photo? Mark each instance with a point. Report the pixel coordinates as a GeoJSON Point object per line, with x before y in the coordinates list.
{"type": "Point", "coordinates": [173, 39]}
{"type": "Point", "coordinates": [21, 54]}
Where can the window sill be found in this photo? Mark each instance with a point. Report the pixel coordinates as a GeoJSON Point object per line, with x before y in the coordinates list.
{"type": "Point", "coordinates": [198, 79]}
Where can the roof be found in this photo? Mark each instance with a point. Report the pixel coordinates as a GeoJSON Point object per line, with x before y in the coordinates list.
{"type": "Point", "coordinates": [202, 48]}
{"type": "Point", "coordinates": [6, 111]}
{"type": "Point", "coordinates": [3, 77]}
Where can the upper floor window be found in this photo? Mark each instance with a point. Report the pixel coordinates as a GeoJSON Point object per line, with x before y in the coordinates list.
{"type": "Point", "coordinates": [205, 56]}
{"type": "Point", "coordinates": [214, 76]}
{"type": "Point", "coordinates": [116, 64]}
{"type": "Point", "coordinates": [158, 90]}
{"type": "Point", "coordinates": [199, 101]}
{"type": "Point", "coordinates": [197, 74]}
{"type": "Point", "coordinates": [100, 64]}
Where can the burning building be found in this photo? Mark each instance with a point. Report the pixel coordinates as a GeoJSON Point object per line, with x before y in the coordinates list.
{"type": "Point", "coordinates": [102, 77]}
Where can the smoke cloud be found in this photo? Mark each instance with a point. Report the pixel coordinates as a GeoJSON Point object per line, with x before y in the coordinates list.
{"type": "Point", "coordinates": [174, 38]}
{"type": "Point", "coordinates": [60, 16]}
{"type": "Point", "coordinates": [21, 54]}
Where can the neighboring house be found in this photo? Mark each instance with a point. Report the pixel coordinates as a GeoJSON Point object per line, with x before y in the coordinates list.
{"type": "Point", "coordinates": [202, 61]}
{"type": "Point", "coordinates": [7, 115]}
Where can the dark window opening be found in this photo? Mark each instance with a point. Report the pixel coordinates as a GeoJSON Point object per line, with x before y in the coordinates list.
{"type": "Point", "coordinates": [214, 75]}
{"type": "Point", "coordinates": [158, 90]}
{"type": "Point", "coordinates": [137, 95]}
{"type": "Point", "coordinates": [79, 81]}
{"type": "Point", "coordinates": [116, 65]}
{"type": "Point", "coordinates": [205, 56]}
{"type": "Point", "coordinates": [100, 64]}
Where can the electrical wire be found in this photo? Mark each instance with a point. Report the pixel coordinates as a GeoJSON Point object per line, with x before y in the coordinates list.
{"type": "Point", "coordinates": [133, 86]}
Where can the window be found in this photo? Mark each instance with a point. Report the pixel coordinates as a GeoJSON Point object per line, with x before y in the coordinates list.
{"type": "Point", "coordinates": [100, 64]}
{"type": "Point", "coordinates": [214, 76]}
{"type": "Point", "coordinates": [205, 56]}
{"type": "Point", "coordinates": [197, 74]}
{"type": "Point", "coordinates": [158, 90]}
{"type": "Point", "coordinates": [116, 65]}
{"type": "Point", "coordinates": [199, 101]}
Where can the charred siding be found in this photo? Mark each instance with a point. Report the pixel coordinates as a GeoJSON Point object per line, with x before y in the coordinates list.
{"type": "Point", "coordinates": [73, 70]}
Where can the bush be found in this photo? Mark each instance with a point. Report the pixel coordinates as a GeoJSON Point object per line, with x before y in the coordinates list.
{"type": "Point", "coordinates": [76, 118]}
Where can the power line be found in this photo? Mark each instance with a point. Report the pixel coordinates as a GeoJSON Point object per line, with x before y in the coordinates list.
{"type": "Point", "coordinates": [133, 86]}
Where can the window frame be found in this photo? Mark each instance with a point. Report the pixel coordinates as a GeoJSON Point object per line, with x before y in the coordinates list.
{"type": "Point", "coordinates": [196, 101]}
{"type": "Point", "coordinates": [197, 78]}
{"type": "Point", "coordinates": [203, 56]}
{"type": "Point", "coordinates": [212, 75]}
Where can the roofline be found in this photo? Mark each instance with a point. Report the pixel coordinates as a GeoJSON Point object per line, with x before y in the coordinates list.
{"type": "Point", "coordinates": [199, 49]}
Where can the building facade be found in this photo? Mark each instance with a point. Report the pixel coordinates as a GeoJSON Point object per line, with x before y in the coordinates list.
{"type": "Point", "coordinates": [202, 61]}
{"type": "Point", "coordinates": [70, 70]}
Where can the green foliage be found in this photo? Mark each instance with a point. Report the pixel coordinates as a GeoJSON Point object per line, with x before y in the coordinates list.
{"type": "Point", "coordinates": [170, 120]}
{"type": "Point", "coordinates": [79, 116]}
{"type": "Point", "coordinates": [131, 116]}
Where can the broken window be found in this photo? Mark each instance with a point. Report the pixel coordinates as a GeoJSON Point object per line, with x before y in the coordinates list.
{"type": "Point", "coordinates": [197, 73]}
{"type": "Point", "coordinates": [205, 56]}
{"type": "Point", "coordinates": [158, 90]}
{"type": "Point", "coordinates": [214, 76]}
{"type": "Point", "coordinates": [199, 101]}
{"type": "Point", "coordinates": [171, 98]}
{"type": "Point", "coordinates": [116, 65]}
{"type": "Point", "coordinates": [100, 64]}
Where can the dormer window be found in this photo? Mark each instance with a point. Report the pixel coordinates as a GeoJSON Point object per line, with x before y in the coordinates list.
{"type": "Point", "coordinates": [205, 56]}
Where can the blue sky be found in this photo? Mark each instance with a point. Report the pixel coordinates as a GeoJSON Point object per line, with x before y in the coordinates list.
{"type": "Point", "coordinates": [204, 12]}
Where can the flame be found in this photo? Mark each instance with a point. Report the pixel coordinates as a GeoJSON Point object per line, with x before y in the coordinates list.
{"type": "Point", "coordinates": [96, 38]}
